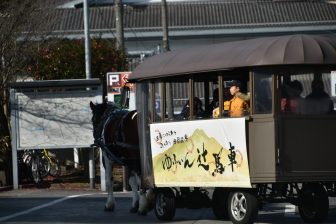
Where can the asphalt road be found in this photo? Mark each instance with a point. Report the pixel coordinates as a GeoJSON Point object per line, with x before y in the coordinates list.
{"type": "Point", "coordinates": [65, 207]}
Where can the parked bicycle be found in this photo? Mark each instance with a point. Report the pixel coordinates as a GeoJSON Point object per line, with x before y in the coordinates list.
{"type": "Point", "coordinates": [41, 163]}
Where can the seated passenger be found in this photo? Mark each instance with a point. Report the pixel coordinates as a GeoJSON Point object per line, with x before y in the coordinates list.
{"type": "Point", "coordinates": [238, 105]}
{"type": "Point", "coordinates": [214, 102]}
{"type": "Point", "coordinates": [198, 110]}
{"type": "Point", "coordinates": [292, 100]}
{"type": "Point", "coordinates": [226, 99]}
{"type": "Point", "coordinates": [318, 101]}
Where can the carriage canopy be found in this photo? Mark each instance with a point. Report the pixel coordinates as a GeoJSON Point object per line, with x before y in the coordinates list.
{"type": "Point", "coordinates": [267, 51]}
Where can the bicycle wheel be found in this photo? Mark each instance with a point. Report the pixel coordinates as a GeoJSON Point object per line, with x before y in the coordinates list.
{"type": "Point", "coordinates": [34, 168]}
{"type": "Point", "coordinates": [44, 166]}
{"type": "Point", "coordinates": [55, 168]}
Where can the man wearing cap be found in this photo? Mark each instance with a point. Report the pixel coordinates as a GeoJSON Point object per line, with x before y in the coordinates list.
{"type": "Point", "coordinates": [238, 104]}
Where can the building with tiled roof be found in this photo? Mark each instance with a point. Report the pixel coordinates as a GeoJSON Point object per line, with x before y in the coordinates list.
{"type": "Point", "coordinates": [199, 22]}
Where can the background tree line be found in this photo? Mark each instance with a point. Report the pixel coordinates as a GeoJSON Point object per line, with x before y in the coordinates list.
{"type": "Point", "coordinates": [65, 59]}
{"type": "Point", "coordinates": [26, 52]}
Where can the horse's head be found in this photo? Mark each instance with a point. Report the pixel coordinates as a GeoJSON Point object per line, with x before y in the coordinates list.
{"type": "Point", "coordinates": [98, 111]}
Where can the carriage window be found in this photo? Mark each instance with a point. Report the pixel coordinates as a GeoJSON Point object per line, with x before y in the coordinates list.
{"type": "Point", "coordinates": [307, 94]}
{"type": "Point", "coordinates": [180, 100]}
{"type": "Point", "coordinates": [262, 93]}
{"type": "Point", "coordinates": [158, 101]}
{"type": "Point", "coordinates": [201, 99]}
{"type": "Point", "coordinates": [200, 103]}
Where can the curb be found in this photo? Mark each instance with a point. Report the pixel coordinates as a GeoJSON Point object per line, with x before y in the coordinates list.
{"type": "Point", "coordinates": [6, 188]}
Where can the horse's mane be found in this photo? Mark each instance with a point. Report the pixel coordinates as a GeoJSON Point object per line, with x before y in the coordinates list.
{"type": "Point", "coordinates": [111, 112]}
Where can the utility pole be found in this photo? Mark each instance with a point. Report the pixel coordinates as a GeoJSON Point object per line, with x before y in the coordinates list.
{"type": "Point", "coordinates": [87, 40]}
{"type": "Point", "coordinates": [169, 89]}
{"type": "Point", "coordinates": [164, 18]}
{"type": "Point", "coordinates": [119, 17]}
{"type": "Point", "coordinates": [88, 76]}
{"type": "Point", "coordinates": [118, 10]}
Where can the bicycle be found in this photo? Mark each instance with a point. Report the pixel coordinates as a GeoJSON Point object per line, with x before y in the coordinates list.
{"type": "Point", "coordinates": [41, 164]}
{"type": "Point", "coordinates": [53, 166]}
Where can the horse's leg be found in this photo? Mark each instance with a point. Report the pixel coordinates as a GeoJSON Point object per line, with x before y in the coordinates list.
{"type": "Point", "coordinates": [134, 183]}
{"type": "Point", "coordinates": [110, 202]}
{"type": "Point", "coordinates": [146, 200]}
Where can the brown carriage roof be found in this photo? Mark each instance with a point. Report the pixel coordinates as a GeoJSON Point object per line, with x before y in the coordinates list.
{"type": "Point", "coordinates": [266, 51]}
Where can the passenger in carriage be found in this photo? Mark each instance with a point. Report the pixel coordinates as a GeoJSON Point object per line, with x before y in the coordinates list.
{"type": "Point", "coordinates": [226, 99]}
{"type": "Point", "coordinates": [318, 101]}
{"type": "Point", "coordinates": [214, 102]}
{"type": "Point", "coordinates": [238, 105]}
{"type": "Point", "coordinates": [292, 100]}
{"type": "Point", "coordinates": [198, 110]}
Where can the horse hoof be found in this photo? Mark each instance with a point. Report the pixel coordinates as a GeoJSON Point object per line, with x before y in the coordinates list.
{"type": "Point", "coordinates": [110, 209]}
{"type": "Point", "coordinates": [133, 210]}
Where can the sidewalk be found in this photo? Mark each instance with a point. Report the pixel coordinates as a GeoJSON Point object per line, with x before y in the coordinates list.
{"type": "Point", "coordinates": [58, 192]}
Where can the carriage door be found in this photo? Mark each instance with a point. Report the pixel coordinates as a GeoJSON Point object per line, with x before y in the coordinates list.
{"type": "Point", "coordinates": [262, 145]}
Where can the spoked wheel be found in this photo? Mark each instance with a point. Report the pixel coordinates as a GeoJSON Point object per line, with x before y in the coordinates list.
{"type": "Point", "coordinates": [243, 207]}
{"type": "Point", "coordinates": [313, 203]}
{"type": "Point", "coordinates": [55, 168]}
{"type": "Point", "coordinates": [44, 167]}
{"type": "Point", "coordinates": [165, 205]}
{"type": "Point", "coordinates": [219, 203]}
{"type": "Point", "coordinates": [35, 170]}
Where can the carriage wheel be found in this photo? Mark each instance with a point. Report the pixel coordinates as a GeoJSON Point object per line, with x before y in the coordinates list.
{"type": "Point", "coordinates": [243, 207]}
{"type": "Point", "coordinates": [165, 205]}
{"type": "Point", "coordinates": [219, 203]}
{"type": "Point", "coordinates": [313, 203]}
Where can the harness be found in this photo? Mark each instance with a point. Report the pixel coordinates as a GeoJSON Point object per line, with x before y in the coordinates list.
{"type": "Point", "coordinates": [119, 137]}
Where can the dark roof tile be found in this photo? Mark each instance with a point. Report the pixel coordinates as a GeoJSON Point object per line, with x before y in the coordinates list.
{"type": "Point", "coordinates": [221, 14]}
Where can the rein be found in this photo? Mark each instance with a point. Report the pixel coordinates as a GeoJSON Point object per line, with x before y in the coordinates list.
{"type": "Point", "coordinates": [111, 113]}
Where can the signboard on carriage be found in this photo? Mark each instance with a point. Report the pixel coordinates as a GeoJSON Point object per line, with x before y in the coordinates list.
{"type": "Point", "coordinates": [114, 83]}
{"type": "Point", "coordinates": [207, 153]}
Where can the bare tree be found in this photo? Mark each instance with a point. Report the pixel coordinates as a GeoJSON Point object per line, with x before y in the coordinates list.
{"type": "Point", "coordinates": [21, 23]}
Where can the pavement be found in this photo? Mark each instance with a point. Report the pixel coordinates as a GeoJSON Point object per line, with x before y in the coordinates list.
{"type": "Point", "coordinates": [67, 189]}
{"type": "Point", "coordinates": [56, 193]}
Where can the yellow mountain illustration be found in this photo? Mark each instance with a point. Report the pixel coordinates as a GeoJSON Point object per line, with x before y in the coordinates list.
{"type": "Point", "coordinates": [200, 161]}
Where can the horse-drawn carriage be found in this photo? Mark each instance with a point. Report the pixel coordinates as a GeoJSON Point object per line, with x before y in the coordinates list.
{"type": "Point", "coordinates": [281, 149]}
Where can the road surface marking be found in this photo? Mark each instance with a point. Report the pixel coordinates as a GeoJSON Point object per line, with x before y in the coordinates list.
{"type": "Point", "coordinates": [290, 210]}
{"type": "Point", "coordinates": [5, 218]}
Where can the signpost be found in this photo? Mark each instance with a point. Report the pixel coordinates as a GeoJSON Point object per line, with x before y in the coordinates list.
{"type": "Point", "coordinates": [115, 81]}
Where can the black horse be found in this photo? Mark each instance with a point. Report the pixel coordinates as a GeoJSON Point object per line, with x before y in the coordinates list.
{"type": "Point", "coordinates": [115, 131]}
